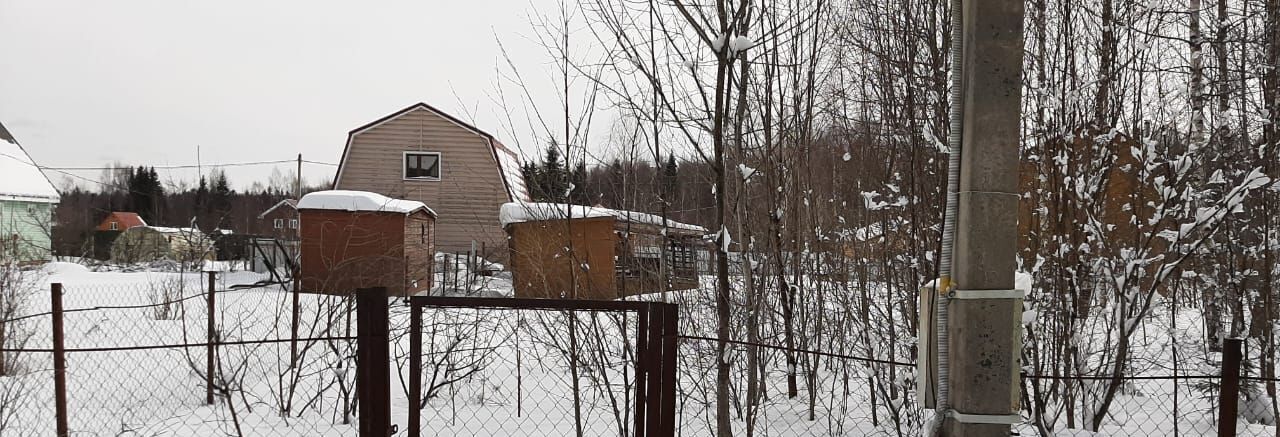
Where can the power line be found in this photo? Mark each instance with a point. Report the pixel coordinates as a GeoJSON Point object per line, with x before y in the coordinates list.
{"type": "Point", "coordinates": [189, 166]}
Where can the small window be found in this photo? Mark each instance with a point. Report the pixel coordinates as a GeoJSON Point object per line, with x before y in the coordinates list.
{"type": "Point", "coordinates": [279, 223]}
{"type": "Point", "coordinates": [423, 227]}
{"type": "Point", "coordinates": [421, 165]}
{"type": "Point", "coordinates": [293, 223]}
{"type": "Point", "coordinates": [115, 226]}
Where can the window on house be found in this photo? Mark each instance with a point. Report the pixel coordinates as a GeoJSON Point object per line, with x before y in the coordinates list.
{"type": "Point", "coordinates": [423, 234]}
{"type": "Point", "coordinates": [421, 165]}
{"type": "Point", "coordinates": [115, 226]}
{"type": "Point", "coordinates": [293, 223]}
{"type": "Point", "coordinates": [278, 223]}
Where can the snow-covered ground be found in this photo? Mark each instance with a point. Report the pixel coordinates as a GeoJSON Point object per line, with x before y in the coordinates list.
{"type": "Point", "coordinates": [161, 391]}
{"type": "Point", "coordinates": [487, 371]}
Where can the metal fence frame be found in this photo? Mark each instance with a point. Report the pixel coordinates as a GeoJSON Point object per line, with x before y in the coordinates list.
{"type": "Point", "coordinates": [655, 339]}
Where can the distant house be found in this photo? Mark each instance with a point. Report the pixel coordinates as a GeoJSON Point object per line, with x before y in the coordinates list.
{"type": "Point", "coordinates": [357, 239]}
{"type": "Point", "coordinates": [110, 228]}
{"type": "Point", "coordinates": [120, 221]}
{"type": "Point", "coordinates": [27, 201]}
{"type": "Point", "coordinates": [153, 243]}
{"type": "Point", "coordinates": [421, 153]}
{"type": "Point", "coordinates": [583, 252]}
{"type": "Point", "coordinates": [281, 220]}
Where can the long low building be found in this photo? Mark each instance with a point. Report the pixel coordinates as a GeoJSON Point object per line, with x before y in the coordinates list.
{"type": "Point", "coordinates": [583, 252]}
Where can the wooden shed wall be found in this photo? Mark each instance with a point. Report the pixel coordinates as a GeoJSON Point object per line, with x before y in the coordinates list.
{"type": "Point", "coordinates": [419, 251]}
{"type": "Point", "coordinates": [467, 196]}
{"type": "Point", "coordinates": [542, 267]}
{"type": "Point", "coordinates": [344, 251]}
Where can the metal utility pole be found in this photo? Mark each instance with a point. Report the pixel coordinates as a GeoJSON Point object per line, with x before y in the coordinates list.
{"type": "Point", "coordinates": [297, 182]}
{"type": "Point", "coordinates": [985, 310]}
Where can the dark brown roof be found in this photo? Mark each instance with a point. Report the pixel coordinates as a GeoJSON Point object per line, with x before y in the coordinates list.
{"type": "Point", "coordinates": [5, 135]}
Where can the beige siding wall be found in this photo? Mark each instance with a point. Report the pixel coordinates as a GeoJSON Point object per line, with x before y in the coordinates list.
{"type": "Point", "coordinates": [470, 189]}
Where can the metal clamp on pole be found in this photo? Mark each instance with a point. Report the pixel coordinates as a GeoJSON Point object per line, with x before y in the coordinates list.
{"type": "Point", "coordinates": [988, 294]}
{"type": "Point", "coordinates": [998, 419]}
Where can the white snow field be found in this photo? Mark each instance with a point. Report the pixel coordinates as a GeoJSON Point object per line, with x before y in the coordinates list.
{"type": "Point", "coordinates": [161, 391]}
{"type": "Point", "coordinates": [486, 372]}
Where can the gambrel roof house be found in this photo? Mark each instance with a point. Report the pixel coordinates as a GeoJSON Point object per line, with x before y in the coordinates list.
{"type": "Point", "coordinates": [421, 153]}
{"type": "Point", "coordinates": [27, 199]}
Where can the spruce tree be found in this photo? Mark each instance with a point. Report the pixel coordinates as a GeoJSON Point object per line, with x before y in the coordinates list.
{"type": "Point", "coordinates": [552, 177]}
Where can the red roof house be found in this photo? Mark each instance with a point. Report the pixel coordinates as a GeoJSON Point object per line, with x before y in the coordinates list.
{"type": "Point", "coordinates": [120, 221]}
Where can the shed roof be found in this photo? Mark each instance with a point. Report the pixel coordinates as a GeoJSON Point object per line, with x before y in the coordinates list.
{"type": "Point", "coordinates": [507, 161]}
{"type": "Point", "coordinates": [362, 201]}
{"type": "Point", "coordinates": [519, 212]}
{"type": "Point", "coordinates": [20, 177]}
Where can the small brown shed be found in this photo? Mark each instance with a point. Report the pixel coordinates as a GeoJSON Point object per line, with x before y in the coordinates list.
{"type": "Point", "coordinates": [581, 252]}
{"type": "Point", "coordinates": [357, 239]}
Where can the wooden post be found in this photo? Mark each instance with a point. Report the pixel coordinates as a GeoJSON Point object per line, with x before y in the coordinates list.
{"type": "Point", "coordinates": [59, 363]}
{"type": "Point", "coordinates": [373, 376]}
{"type": "Point", "coordinates": [519, 366]}
{"type": "Point", "coordinates": [415, 368]}
{"type": "Point", "coordinates": [211, 337]}
{"type": "Point", "coordinates": [654, 350]}
{"type": "Point", "coordinates": [294, 321]}
{"type": "Point", "coordinates": [642, 352]}
{"type": "Point", "coordinates": [670, 319]}
{"type": "Point", "coordinates": [1229, 396]}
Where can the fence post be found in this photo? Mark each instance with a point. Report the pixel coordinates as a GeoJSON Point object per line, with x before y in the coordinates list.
{"type": "Point", "coordinates": [670, 319]}
{"type": "Point", "coordinates": [59, 363]}
{"type": "Point", "coordinates": [373, 377]}
{"type": "Point", "coordinates": [295, 321]}
{"type": "Point", "coordinates": [653, 385]}
{"type": "Point", "coordinates": [415, 368]}
{"type": "Point", "coordinates": [642, 352]}
{"type": "Point", "coordinates": [210, 338]}
{"type": "Point", "coordinates": [1229, 395]}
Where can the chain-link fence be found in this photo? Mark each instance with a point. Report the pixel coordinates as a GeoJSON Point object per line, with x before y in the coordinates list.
{"type": "Point", "coordinates": [1152, 405]}
{"type": "Point", "coordinates": [511, 370]}
{"type": "Point", "coordinates": [824, 394]}
{"type": "Point", "coordinates": [138, 358]}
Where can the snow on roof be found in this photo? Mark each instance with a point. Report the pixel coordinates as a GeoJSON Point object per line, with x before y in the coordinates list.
{"type": "Point", "coordinates": [519, 212]}
{"type": "Point", "coordinates": [346, 200]}
{"type": "Point", "coordinates": [20, 178]}
{"type": "Point", "coordinates": [510, 166]}
{"type": "Point", "coordinates": [290, 202]}
{"type": "Point", "coordinates": [169, 230]}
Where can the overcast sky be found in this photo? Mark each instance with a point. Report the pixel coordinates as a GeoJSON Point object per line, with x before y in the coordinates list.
{"type": "Point", "coordinates": [145, 82]}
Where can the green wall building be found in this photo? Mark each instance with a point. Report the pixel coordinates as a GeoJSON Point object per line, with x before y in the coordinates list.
{"type": "Point", "coordinates": [27, 201]}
